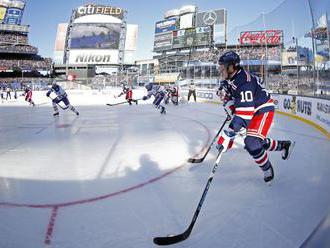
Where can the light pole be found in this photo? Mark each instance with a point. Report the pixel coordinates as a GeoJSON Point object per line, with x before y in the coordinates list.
{"type": "Point", "coordinates": [294, 39]}
{"type": "Point", "coordinates": [266, 50]}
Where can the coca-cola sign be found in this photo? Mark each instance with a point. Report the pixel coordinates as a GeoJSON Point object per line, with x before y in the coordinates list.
{"type": "Point", "coordinates": [270, 37]}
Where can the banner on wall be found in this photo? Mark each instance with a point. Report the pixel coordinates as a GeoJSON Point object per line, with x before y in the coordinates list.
{"type": "Point", "coordinates": [312, 109]}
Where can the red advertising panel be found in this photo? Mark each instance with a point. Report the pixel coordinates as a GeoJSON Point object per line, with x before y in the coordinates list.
{"type": "Point", "coordinates": [270, 37]}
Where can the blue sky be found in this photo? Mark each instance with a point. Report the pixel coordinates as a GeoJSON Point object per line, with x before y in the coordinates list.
{"type": "Point", "coordinates": [43, 17]}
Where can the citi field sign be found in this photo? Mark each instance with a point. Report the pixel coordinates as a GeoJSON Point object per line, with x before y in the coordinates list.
{"type": "Point", "coordinates": [91, 9]}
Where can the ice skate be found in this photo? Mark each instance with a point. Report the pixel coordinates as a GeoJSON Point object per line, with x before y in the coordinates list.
{"type": "Point", "coordinates": [269, 174]}
{"type": "Point", "coordinates": [287, 147]}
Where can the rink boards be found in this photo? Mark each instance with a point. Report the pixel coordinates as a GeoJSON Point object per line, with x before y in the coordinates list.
{"type": "Point", "coordinates": [313, 111]}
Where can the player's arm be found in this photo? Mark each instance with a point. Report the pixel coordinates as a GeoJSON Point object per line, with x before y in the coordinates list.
{"type": "Point", "coordinates": [49, 92]}
{"type": "Point", "coordinates": [150, 93]}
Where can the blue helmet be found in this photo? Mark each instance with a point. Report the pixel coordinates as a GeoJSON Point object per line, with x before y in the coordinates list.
{"type": "Point", "coordinates": [229, 58]}
{"type": "Point", "coordinates": [149, 86]}
{"type": "Point", "coordinates": [55, 85]}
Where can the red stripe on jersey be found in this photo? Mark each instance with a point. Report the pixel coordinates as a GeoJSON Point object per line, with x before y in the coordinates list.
{"type": "Point", "coordinates": [260, 124]}
{"type": "Point", "coordinates": [267, 124]}
{"type": "Point", "coordinates": [242, 112]}
{"type": "Point", "coordinates": [129, 95]}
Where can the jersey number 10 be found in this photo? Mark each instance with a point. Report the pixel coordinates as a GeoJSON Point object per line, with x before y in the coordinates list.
{"type": "Point", "coordinates": [246, 96]}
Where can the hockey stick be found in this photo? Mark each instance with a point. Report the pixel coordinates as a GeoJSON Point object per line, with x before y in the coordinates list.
{"type": "Point", "coordinates": [59, 104]}
{"type": "Point", "coordinates": [172, 239]}
{"type": "Point", "coordinates": [199, 160]}
{"type": "Point", "coordinates": [118, 103]}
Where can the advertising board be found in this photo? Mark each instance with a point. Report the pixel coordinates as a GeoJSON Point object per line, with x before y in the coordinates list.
{"type": "Point", "coordinates": [210, 18]}
{"type": "Point", "coordinates": [163, 41]}
{"type": "Point", "coordinates": [271, 37]}
{"type": "Point", "coordinates": [13, 16]}
{"type": "Point", "coordinates": [311, 109]}
{"type": "Point", "coordinates": [100, 56]}
{"type": "Point", "coordinates": [3, 11]}
{"type": "Point", "coordinates": [200, 36]}
{"type": "Point", "coordinates": [92, 9]}
{"type": "Point", "coordinates": [167, 25]}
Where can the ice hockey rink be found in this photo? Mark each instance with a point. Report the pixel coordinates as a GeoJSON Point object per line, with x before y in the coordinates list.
{"type": "Point", "coordinates": [118, 177]}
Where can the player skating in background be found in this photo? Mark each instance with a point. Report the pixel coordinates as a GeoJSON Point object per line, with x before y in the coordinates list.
{"type": "Point", "coordinates": [28, 96]}
{"type": "Point", "coordinates": [174, 94]}
{"type": "Point", "coordinates": [252, 111]}
{"type": "Point", "coordinates": [128, 92]}
{"type": "Point", "coordinates": [171, 94]}
{"type": "Point", "coordinates": [158, 92]}
{"type": "Point", "coordinates": [61, 96]}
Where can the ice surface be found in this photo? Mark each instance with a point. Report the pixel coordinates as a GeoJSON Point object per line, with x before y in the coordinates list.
{"type": "Point", "coordinates": [117, 177]}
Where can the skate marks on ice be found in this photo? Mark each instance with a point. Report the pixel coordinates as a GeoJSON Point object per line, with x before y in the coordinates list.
{"type": "Point", "coordinates": [120, 157]}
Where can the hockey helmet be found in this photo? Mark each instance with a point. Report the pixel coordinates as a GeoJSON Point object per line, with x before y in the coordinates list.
{"type": "Point", "coordinates": [149, 86]}
{"type": "Point", "coordinates": [55, 85]}
{"type": "Point", "coordinates": [229, 58]}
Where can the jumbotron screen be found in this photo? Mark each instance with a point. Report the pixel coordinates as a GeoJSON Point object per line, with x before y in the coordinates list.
{"type": "Point", "coordinates": [95, 36]}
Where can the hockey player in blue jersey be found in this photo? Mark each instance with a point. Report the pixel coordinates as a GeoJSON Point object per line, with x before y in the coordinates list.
{"type": "Point", "coordinates": [61, 96]}
{"type": "Point", "coordinates": [158, 92]}
{"type": "Point", "coordinates": [252, 111]}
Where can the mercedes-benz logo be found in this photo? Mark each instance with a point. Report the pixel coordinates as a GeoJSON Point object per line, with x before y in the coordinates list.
{"type": "Point", "coordinates": [209, 18]}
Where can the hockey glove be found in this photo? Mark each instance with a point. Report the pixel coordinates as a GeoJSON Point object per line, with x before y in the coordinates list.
{"type": "Point", "coordinates": [226, 140]}
{"type": "Point", "coordinates": [144, 98]}
{"type": "Point", "coordinates": [48, 94]}
{"type": "Point", "coordinates": [229, 108]}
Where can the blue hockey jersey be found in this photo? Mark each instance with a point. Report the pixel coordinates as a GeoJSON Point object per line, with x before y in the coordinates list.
{"type": "Point", "coordinates": [249, 97]}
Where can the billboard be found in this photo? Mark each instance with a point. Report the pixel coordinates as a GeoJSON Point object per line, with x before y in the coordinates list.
{"type": "Point", "coordinates": [186, 21]}
{"type": "Point", "coordinates": [219, 34]}
{"type": "Point", "coordinates": [289, 58]}
{"type": "Point", "coordinates": [270, 37]}
{"type": "Point", "coordinates": [60, 37]}
{"type": "Point", "coordinates": [11, 12]}
{"type": "Point", "coordinates": [167, 25]}
{"type": "Point", "coordinates": [217, 19]}
{"type": "Point", "coordinates": [95, 36]}
{"type": "Point", "coordinates": [3, 11]}
{"type": "Point", "coordinates": [163, 41]}
{"type": "Point", "coordinates": [14, 28]}
{"type": "Point", "coordinates": [200, 36]}
{"type": "Point", "coordinates": [13, 16]}
{"type": "Point", "coordinates": [131, 37]}
{"type": "Point", "coordinates": [101, 56]}
{"type": "Point", "coordinates": [210, 18]}
{"type": "Point", "coordinates": [92, 9]}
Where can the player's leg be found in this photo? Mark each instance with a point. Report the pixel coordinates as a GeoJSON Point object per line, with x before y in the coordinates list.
{"type": "Point", "coordinates": [55, 101]}
{"type": "Point", "coordinates": [158, 102]}
{"type": "Point", "coordinates": [254, 142]}
{"type": "Point", "coordinates": [67, 103]}
{"type": "Point", "coordinates": [286, 146]}
{"type": "Point", "coordinates": [189, 94]}
{"type": "Point", "coordinates": [174, 100]}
